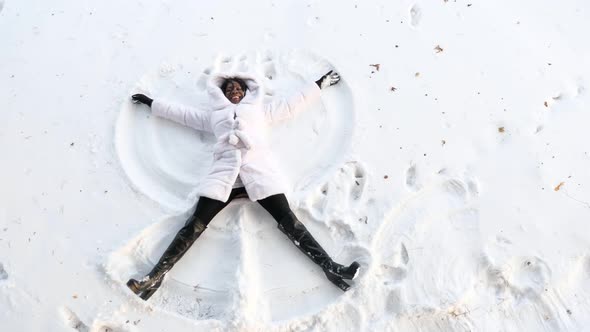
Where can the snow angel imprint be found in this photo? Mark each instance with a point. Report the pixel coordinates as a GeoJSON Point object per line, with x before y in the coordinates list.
{"type": "Point", "coordinates": [242, 167]}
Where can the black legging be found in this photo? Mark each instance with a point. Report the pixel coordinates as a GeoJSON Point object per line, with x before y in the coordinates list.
{"type": "Point", "coordinates": [207, 208]}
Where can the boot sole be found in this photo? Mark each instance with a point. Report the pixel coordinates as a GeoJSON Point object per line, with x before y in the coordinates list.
{"type": "Point", "coordinates": [337, 281]}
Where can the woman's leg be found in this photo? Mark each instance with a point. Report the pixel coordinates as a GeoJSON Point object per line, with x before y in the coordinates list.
{"type": "Point", "coordinates": [206, 209]}
{"type": "Point", "coordinates": [278, 207]}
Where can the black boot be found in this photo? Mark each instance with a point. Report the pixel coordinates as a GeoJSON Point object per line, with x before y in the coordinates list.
{"type": "Point", "coordinates": [301, 237]}
{"type": "Point", "coordinates": [149, 284]}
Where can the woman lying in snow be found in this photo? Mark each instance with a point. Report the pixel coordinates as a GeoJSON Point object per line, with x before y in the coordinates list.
{"type": "Point", "coordinates": [243, 167]}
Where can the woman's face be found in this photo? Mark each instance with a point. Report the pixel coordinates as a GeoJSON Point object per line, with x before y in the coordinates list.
{"type": "Point", "coordinates": [233, 91]}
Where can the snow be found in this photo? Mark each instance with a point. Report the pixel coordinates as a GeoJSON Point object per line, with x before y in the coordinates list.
{"type": "Point", "coordinates": [451, 161]}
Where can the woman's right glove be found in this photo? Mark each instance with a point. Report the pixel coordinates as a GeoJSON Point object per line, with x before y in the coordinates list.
{"type": "Point", "coordinates": [142, 99]}
{"type": "Point", "coordinates": [328, 80]}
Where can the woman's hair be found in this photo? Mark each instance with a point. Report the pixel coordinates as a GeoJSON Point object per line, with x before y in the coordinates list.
{"type": "Point", "coordinates": [240, 82]}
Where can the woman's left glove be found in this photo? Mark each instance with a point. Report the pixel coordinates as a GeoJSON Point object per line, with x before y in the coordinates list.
{"type": "Point", "coordinates": [141, 98]}
{"type": "Point", "coordinates": [328, 80]}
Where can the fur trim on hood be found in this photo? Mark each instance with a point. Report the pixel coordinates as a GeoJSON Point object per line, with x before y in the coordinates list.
{"type": "Point", "coordinates": [253, 94]}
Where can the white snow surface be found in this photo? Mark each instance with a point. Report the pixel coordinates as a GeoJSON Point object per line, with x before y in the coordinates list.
{"type": "Point", "coordinates": [452, 161]}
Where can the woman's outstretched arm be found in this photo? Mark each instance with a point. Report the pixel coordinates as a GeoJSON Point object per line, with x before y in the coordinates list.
{"type": "Point", "coordinates": [286, 108]}
{"type": "Point", "coordinates": [187, 116]}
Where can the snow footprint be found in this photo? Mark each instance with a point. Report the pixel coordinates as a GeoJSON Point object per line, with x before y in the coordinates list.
{"type": "Point", "coordinates": [269, 68]}
{"type": "Point", "coordinates": [204, 78]}
{"type": "Point", "coordinates": [71, 319]}
{"type": "Point", "coordinates": [529, 274]}
{"type": "Point", "coordinates": [518, 277]}
{"type": "Point", "coordinates": [525, 280]}
{"type": "Point", "coordinates": [336, 202]}
{"type": "Point", "coordinates": [228, 63]}
{"type": "Point", "coordinates": [461, 191]}
{"type": "Point", "coordinates": [344, 317]}
{"type": "Point", "coordinates": [394, 268]}
{"type": "Point", "coordinates": [167, 70]}
{"type": "Point", "coordinates": [442, 207]}
{"type": "Point", "coordinates": [415, 15]}
{"type": "Point", "coordinates": [223, 63]}
{"type": "Point", "coordinates": [342, 193]}
{"type": "Point", "coordinates": [411, 179]}
{"type": "Point", "coordinates": [237, 63]}
{"type": "Point", "coordinates": [3, 273]}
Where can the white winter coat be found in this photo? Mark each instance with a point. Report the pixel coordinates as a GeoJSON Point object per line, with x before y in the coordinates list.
{"type": "Point", "coordinates": [242, 146]}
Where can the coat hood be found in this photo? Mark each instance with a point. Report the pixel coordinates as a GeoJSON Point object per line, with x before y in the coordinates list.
{"type": "Point", "coordinates": [218, 100]}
